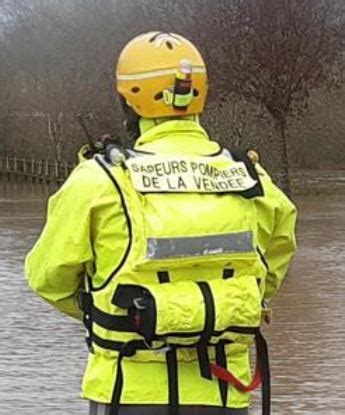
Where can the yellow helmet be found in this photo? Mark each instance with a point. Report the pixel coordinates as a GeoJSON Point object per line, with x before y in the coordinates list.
{"type": "Point", "coordinates": [161, 75]}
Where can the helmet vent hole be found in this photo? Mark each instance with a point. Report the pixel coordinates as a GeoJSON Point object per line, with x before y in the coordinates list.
{"type": "Point", "coordinates": [158, 96]}
{"type": "Point", "coordinates": [135, 89]}
{"type": "Point", "coordinates": [169, 45]}
{"type": "Point", "coordinates": [195, 92]}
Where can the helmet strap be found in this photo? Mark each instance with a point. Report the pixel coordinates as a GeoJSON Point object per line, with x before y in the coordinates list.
{"type": "Point", "coordinates": [136, 125]}
{"type": "Point", "coordinates": [131, 119]}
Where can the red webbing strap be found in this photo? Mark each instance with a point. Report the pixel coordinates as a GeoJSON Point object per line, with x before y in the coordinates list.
{"type": "Point", "coordinates": [226, 376]}
{"type": "Point", "coordinates": [262, 374]}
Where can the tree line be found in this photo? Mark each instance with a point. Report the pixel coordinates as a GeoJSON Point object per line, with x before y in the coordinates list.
{"type": "Point", "coordinates": [275, 68]}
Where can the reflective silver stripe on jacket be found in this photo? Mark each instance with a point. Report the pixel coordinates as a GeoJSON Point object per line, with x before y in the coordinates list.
{"type": "Point", "coordinates": [189, 246]}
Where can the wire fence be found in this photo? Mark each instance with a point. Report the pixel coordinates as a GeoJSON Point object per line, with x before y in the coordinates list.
{"type": "Point", "coordinates": [43, 171]}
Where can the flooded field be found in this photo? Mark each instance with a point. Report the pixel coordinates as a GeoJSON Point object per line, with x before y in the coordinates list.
{"type": "Point", "coordinates": [42, 354]}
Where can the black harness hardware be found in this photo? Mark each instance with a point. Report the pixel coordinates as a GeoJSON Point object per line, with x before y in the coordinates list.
{"type": "Point", "coordinates": [85, 303]}
{"type": "Point", "coordinates": [126, 296]}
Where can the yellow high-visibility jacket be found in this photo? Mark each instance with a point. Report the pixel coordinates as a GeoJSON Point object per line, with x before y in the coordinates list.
{"type": "Point", "coordinates": [99, 225]}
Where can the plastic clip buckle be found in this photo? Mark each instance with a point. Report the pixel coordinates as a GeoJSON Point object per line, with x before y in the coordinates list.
{"type": "Point", "coordinates": [138, 303]}
{"type": "Point", "coordinates": [266, 313]}
{"type": "Point", "coordinates": [163, 349]}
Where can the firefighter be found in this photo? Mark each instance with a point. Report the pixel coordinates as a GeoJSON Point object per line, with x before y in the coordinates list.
{"type": "Point", "coordinates": [166, 251]}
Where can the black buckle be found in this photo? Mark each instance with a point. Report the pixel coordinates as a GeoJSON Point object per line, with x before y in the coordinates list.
{"type": "Point", "coordinates": [89, 343]}
{"type": "Point", "coordinates": [129, 349]}
{"type": "Point", "coordinates": [85, 301]}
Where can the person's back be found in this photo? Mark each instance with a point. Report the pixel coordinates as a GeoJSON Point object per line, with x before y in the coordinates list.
{"type": "Point", "coordinates": [180, 241]}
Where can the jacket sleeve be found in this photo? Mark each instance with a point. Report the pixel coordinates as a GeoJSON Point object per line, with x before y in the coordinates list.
{"type": "Point", "coordinates": [276, 238]}
{"type": "Point", "coordinates": [56, 265]}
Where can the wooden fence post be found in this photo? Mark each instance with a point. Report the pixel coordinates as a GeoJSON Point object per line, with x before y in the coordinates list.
{"type": "Point", "coordinates": [66, 170]}
{"type": "Point", "coordinates": [46, 170]}
{"type": "Point", "coordinates": [56, 169]}
{"type": "Point", "coordinates": [39, 163]}
{"type": "Point", "coordinates": [15, 165]}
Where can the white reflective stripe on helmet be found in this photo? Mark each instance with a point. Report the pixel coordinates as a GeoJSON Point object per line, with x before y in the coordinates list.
{"type": "Point", "coordinates": [154, 74]}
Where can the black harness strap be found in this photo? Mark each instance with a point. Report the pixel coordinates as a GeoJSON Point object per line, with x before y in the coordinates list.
{"type": "Point", "coordinates": [203, 357]}
{"type": "Point", "coordinates": [124, 349]}
{"type": "Point", "coordinates": [163, 277]}
{"type": "Point", "coordinates": [265, 374]}
{"type": "Point", "coordinates": [111, 322]}
{"type": "Point", "coordinates": [117, 392]}
{"type": "Point", "coordinates": [220, 352]}
{"type": "Point", "coordinates": [171, 359]}
{"type": "Point", "coordinates": [85, 303]}
{"type": "Point", "coordinates": [92, 314]}
{"type": "Point", "coordinates": [118, 346]}
{"type": "Point", "coordinates": [127, 350]}
{"type": "Point", "coordinates": [228, 273]}
{"type": "Point", "coordinates": [209, 310]}
{"type": "Point", "coordinates": [221, 361]}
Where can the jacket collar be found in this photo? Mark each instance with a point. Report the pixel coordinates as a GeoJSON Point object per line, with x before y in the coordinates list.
{"type": "Point", "coordinates": [177, 136]}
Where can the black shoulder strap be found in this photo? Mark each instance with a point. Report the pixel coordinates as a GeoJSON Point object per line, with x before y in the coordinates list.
{"type": "Point", "coordinates": [257, 190]}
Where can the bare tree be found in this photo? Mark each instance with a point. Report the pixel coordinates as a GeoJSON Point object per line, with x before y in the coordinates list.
{"type": "Point", "coordinates": [264, 59]}
{"type": "Point", "coordinates": [277, 53]}
{"type": "Point", "coordinates": [55, 132]}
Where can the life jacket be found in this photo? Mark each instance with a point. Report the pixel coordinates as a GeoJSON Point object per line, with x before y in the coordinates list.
{"type": "Point", "coordinates": [192, 255]}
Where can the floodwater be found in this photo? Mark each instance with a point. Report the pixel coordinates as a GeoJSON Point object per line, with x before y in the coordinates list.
{"type": "Point", "coordinates": [42, 354]}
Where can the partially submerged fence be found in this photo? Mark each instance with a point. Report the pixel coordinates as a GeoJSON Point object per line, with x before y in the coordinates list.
{"type": "Point", "coordinates": [43, 171]}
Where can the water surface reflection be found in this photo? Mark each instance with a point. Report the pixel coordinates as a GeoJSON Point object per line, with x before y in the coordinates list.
{"type": "Point", "coordinates": [42, 354]}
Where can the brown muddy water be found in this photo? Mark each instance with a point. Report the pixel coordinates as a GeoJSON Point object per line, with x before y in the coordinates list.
{"type": "Point", "coordinates": [42, 354]}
